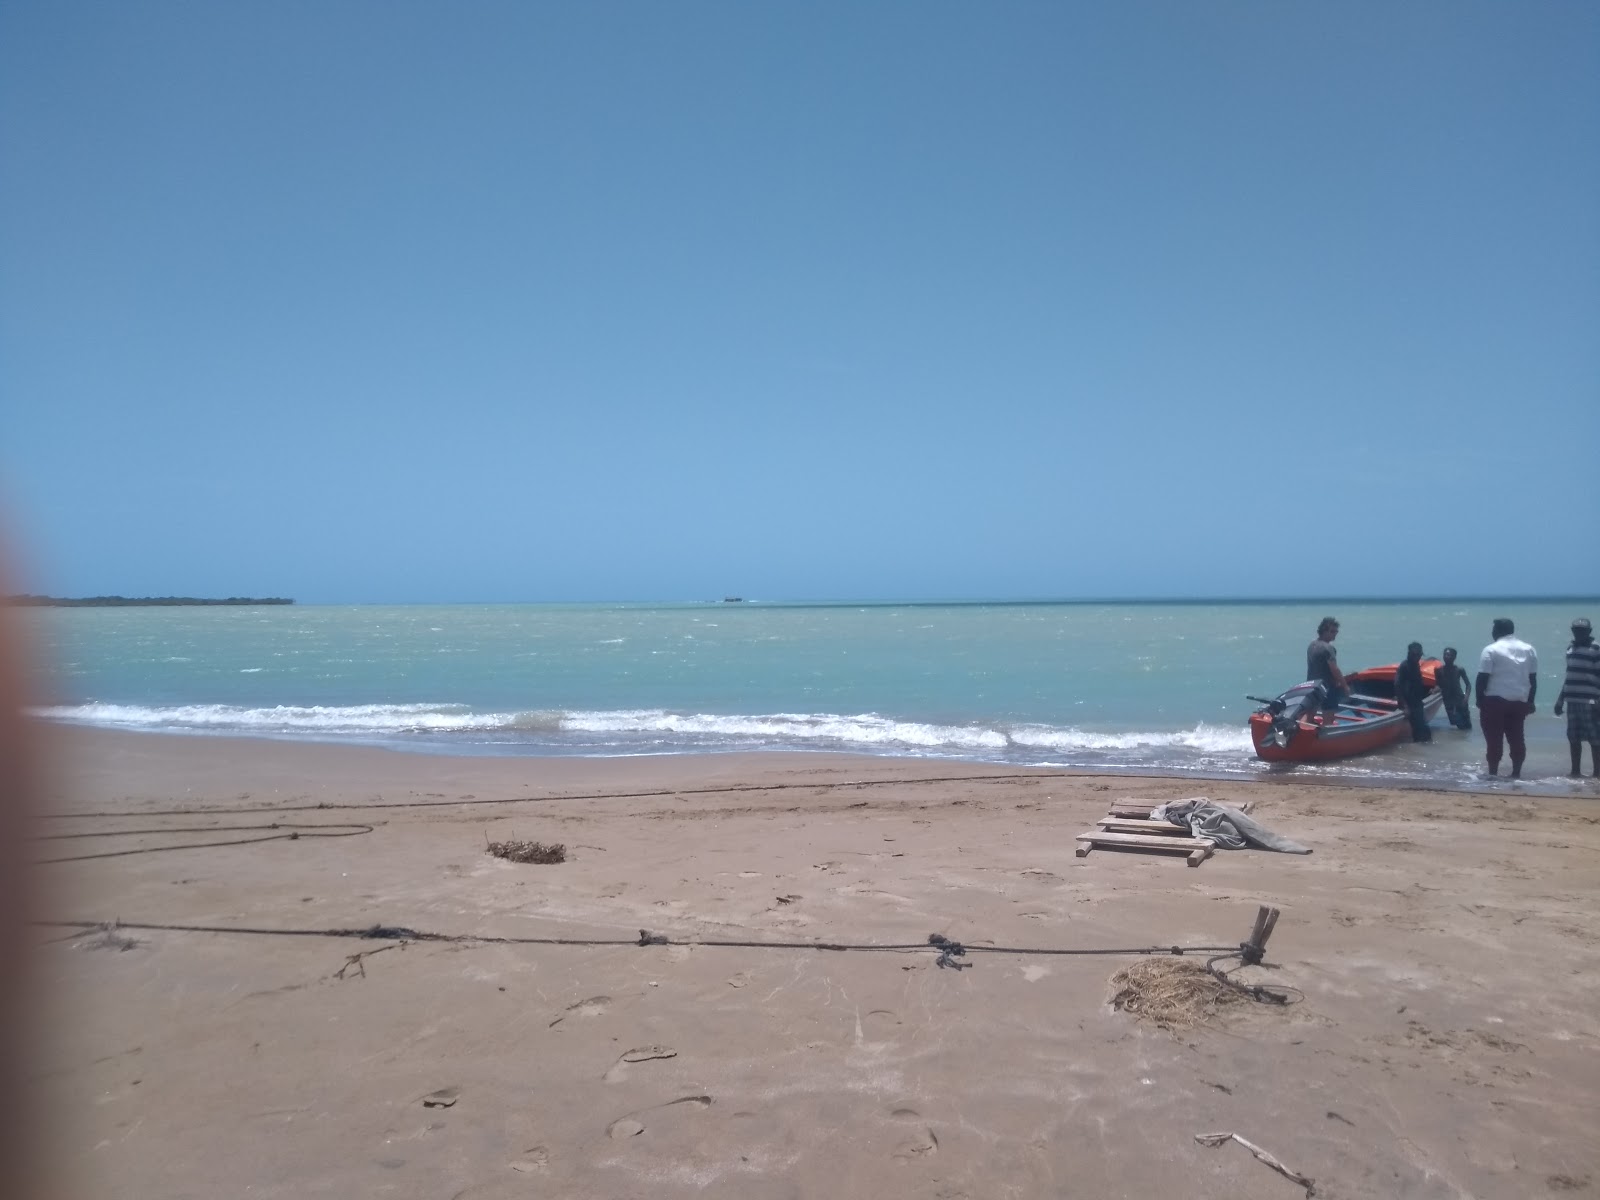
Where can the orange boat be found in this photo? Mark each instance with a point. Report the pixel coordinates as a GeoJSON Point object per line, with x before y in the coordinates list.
{"type": "Point", "coordinates": [1298, 726]}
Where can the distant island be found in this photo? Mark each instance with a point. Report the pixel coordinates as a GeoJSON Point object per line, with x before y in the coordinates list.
{"type": "Point", "coordinates": [136, 601]}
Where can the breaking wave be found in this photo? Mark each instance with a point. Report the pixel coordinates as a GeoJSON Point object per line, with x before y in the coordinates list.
{"type": "Point", "coordinates": [284, 718]}
{"type": "Point", "coordinates": [658, 728]}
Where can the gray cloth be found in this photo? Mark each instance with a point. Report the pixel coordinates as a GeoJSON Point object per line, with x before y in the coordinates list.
{"type": "Point", "coordinates": [1229, 828]}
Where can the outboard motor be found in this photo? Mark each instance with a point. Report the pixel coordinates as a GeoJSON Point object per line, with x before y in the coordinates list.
{"type": "Point", "coordinates": [1286, 717]}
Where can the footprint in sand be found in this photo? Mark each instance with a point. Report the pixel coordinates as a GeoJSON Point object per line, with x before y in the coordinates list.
{"type": "Point", "coordinates": [631, 1126]}
{"type": "Point", "coordinates": [639, 1054]}
{"type": "Point", "coordinates": [920, 1144]}
{"type": "Point", "coordinates": [876, 1029]}
{"type": "Point", "coordinates": [594, 1006]}
{"type": "Point", "coordinates": [534, 1158]}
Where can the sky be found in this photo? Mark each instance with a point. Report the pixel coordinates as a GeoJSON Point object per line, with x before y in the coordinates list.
{"type": "Point", "coordinates": [515, 301]}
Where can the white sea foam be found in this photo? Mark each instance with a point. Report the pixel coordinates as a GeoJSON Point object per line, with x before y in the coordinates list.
{"type": "Point", "coordinates": [358, 718]}
{"type": "Point", "coordinates": [865, 730]}
{"type": "Point", "coordinates": [1204, 737]}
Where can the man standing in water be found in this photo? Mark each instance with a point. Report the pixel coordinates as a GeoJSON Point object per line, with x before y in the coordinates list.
{"type": "Point", "coordinates": [1410, 692]}
{"type": "Point", "coordinates": [1322, 664]}
{"type": "Point", "coordinates": [1508, 677]}
{"type": "Point", "coordinates": [1580, 692]}
{"type": "Point", "coordinates": [1452, 681]}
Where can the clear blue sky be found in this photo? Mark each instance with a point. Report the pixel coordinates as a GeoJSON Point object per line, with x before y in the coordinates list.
{"type": "Point", "coordinates": [379, 301]}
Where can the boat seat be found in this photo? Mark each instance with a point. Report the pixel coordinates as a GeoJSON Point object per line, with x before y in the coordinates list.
{"type": "Point", "coordinates": [1370, 704]}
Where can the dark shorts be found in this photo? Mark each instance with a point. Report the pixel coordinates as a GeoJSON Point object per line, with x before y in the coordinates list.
{"type": "Point", "coordinates": [1583, 721]}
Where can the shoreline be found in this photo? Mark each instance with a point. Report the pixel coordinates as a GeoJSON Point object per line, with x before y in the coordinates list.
{"type": "Point", "coordinates": [1550, 785]}
{"type": "Point", "coordinates": [1444, 947]}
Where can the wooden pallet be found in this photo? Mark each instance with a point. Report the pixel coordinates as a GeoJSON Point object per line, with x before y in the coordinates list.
{"type": "Point", "coordinates": [1128, 827]}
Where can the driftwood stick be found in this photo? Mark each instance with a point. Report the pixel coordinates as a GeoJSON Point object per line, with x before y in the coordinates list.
{"type": "Point", "coordinates": [354, 960]}
{"type": "Point", "coordinates": [1261, 923]}
{"type": "Point", "coordinates": [1266, 930]}
{"type": "Point", "coordinates": [1216, 1139]}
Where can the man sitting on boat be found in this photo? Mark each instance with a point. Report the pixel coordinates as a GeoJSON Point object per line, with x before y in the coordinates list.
{"type": "Point", "coordinates": [1322, 664]}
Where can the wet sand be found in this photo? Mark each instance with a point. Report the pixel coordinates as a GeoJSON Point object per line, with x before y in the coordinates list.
{"type": "Point", "coordinates": [1448, 1042]}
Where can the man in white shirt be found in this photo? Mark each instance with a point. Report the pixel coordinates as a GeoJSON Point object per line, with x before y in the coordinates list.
{"type": "Point", "coordinates": [1507, 680]}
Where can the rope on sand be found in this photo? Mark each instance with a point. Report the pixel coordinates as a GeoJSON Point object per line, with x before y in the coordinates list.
{"type": "Point", "coordinates": [652, 793]}
{"type": "Point", "coordinates": [290, 832]}
{"type": "Point", "coordinates": [946, 948]}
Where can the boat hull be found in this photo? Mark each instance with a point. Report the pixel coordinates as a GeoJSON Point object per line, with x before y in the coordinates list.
{"type": "Point", "coordinates": [1370, 721]}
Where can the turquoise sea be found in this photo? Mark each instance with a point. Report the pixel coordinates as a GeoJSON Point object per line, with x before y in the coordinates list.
{"type": "Point", "coordinates": [1137, 687]}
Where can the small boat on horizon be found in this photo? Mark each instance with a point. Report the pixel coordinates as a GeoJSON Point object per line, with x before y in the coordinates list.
{"type": "Point", "coordinates": [1298, 727]}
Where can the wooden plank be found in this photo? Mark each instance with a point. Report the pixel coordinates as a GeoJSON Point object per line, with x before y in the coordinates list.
{"type": "Point", "coordinates": [1195, 850]}
{"type": "Point", "coordinates": [1131, 811]}
{"type": "Point", "coordinates": [1134, 809]}
{"type": "Point", "coordinates": [1120, 825]}
{"type": "Point", "coordinates": [1144, 840]}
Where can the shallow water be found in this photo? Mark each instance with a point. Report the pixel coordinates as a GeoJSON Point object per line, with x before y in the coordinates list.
{"type": "Point", "coordinates": [1152, 688]}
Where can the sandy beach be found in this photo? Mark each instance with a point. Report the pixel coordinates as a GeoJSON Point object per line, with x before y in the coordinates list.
{"type": "Point", "coordinates": [1447, 1043]}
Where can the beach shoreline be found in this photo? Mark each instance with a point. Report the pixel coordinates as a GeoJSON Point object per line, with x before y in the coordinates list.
{"type": "Point", "coordinates": [1541, 779]}
{"type": "Point", "coordinates": [1444, 945]}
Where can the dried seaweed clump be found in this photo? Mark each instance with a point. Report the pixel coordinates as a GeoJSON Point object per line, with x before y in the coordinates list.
{"type": "Point", "coordinates": [528, 852]}
{"type": "Point", "coordinates": [106, 937]}
{"type": "Point", "coordinates": [1171, 993]}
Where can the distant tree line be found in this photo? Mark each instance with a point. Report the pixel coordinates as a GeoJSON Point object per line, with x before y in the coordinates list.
{"type": "Point", "coordinates": [135, 601]}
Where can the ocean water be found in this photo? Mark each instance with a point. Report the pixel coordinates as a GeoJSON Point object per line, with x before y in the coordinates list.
{"type": "Point", "coordinates": [1143, 688]}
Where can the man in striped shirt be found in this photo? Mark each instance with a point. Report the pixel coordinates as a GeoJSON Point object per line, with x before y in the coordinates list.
{"type": "Point", "coordinates": [1580, 693]}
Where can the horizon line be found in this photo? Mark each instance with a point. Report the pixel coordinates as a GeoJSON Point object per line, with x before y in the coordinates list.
{"type": "Point", "coordinates": [998, 602]}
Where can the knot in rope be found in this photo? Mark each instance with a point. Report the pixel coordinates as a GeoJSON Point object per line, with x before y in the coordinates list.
{"type": "Point", "coordinates": [949, 951]}
{"type": "Point", "coordinates": [391, 931]}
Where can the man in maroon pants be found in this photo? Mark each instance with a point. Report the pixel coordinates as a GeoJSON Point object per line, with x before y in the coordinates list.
{"type": "Point", "coordinates": [1507, 680]}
